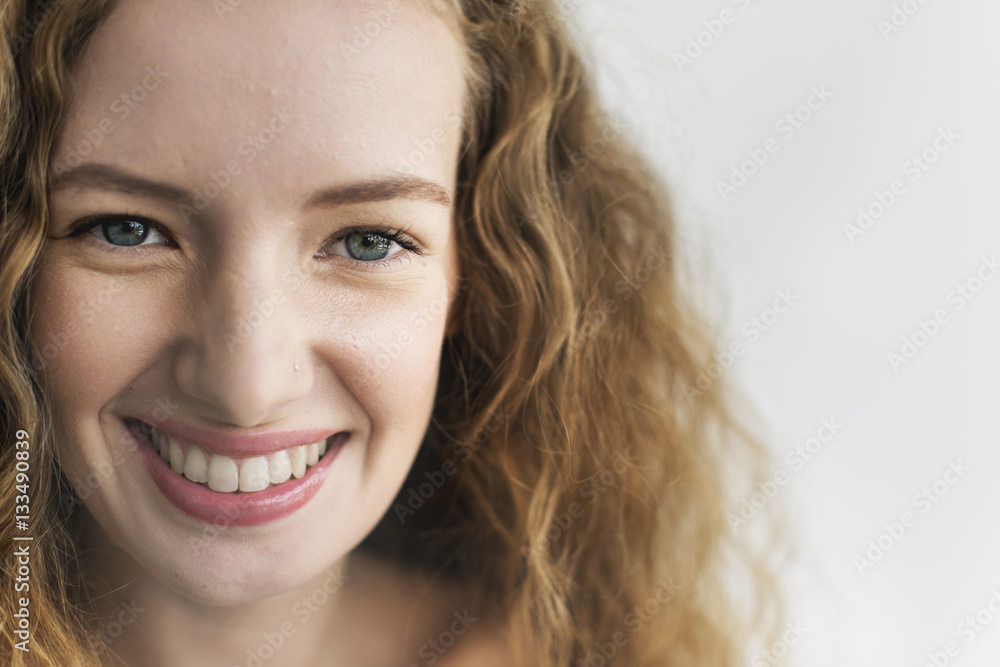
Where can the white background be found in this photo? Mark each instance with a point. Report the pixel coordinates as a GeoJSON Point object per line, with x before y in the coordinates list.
{"type": "Point", "coordinates": [828, 355]}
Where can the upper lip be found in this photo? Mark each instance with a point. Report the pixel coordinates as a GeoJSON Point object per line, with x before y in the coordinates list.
{"type": "Point", "coordinates": [238, 444]}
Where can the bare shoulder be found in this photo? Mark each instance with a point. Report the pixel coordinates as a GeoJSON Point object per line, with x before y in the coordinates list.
{"type": "Point", "coordinates": [408, 617]}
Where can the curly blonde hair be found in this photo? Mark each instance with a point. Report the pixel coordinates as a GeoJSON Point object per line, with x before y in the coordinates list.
{"type": "Point", "coordinates": [588, 472]}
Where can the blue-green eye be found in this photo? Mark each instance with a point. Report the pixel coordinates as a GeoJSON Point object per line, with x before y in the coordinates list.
{"type": "Point", "coordinates": [368, 246]}
{"type": "Point", "coordinates": [372, 244]}
{"type": "Point", "coordinates": [123, 231]}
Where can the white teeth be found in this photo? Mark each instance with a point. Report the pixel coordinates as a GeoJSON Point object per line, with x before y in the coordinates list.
{"type": "Point", "coordinates": [254, 474]}
{"type": "Point", "coordinates": [176, 457]}
{"type": "Point", "coordinates": [280, 467]}
{"type": "Point", "coordinates": [225, 474]}
{"type": "Point", "coordinates": [222, 474]}
{"type": "Point", "coordinates": [162, 444]}
{"type": "Point", "coordinates": [297, 456]}
{"type": "Point", "coordinates": [196, 465]}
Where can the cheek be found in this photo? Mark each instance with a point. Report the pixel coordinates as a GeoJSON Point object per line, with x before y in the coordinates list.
{"type": "Point", "coordinates": [85, 344]}
{"type": "Point", "coordinates": [394, 371]}
{"type": "Point", "coordinates": [89, 332]}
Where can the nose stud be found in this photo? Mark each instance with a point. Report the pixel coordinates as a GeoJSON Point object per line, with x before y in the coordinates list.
{"type": "Point", "coordinates": [296, 368]}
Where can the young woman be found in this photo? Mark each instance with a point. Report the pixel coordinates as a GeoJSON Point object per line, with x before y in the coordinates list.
{"type": "Point", "coordinates": [348, 333]}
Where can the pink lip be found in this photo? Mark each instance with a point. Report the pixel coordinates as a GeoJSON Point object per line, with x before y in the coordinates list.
{"type": "Point", "coordinates": [234, 445]}
{"type": "Point", "coordinates": [238, 509]}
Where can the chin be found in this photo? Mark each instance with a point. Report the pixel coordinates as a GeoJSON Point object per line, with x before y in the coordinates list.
{"type": "Point", "coordinates": [214, 562]}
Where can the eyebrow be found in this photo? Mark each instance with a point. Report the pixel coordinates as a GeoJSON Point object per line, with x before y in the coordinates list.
{"type": "Point", "coordinates": [403, 186]}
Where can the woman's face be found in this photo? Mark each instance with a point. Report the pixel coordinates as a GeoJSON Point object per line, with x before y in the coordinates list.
{"type": "Point", "coordinates": [277, 147]}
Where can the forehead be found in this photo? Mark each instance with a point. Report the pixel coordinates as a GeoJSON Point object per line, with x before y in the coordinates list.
{"type": "Point", "coordinates": [288, 90]}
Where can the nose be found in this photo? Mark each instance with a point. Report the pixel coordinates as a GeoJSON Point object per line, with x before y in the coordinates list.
{"type": "Point", "coordinates": [241, 359]}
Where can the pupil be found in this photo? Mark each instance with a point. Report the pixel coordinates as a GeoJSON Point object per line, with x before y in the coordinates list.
{"type": "Point", "coordinates": [367, 247]}
{"type": "Point", "coordinates": [125, 232]}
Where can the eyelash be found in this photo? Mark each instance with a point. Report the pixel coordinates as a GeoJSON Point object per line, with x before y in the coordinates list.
{"type": "Point", "coordinates": [399, 236]}
{"type": "Point", "coordinates": [91, 223]}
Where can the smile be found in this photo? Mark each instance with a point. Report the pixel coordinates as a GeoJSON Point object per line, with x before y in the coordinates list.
{"type": "Point", "coordinates": [235, 480]}
{"type": "Point", "coordinates": [229, 475]}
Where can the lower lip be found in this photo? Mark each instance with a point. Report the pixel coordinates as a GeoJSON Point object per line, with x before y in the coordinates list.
{"type": "Point", "coordinates": [238, 509]}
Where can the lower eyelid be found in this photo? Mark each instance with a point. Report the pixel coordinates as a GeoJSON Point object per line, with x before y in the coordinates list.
{"type": "Point", "coordinates": [391, 263]}
{"type": "Point", "coordinates": [400, 259]}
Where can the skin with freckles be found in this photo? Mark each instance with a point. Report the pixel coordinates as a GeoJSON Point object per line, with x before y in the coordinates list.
{"type": "Point", "coordinates": [253, 156]}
